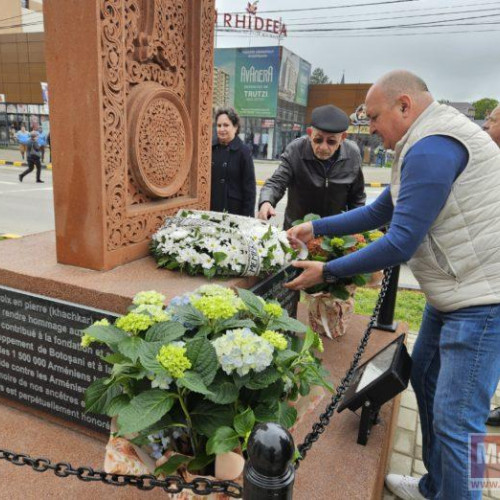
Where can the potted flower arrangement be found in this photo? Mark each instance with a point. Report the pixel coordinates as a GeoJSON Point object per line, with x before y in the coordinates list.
{"type": "Point", "coordinates": [220, 244]}
{"type": "Point", "coordinates": [189, 381]}
{"type": "Point", "coordinates": [332, 305]}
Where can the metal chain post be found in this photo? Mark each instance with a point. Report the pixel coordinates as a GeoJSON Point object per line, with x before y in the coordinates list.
{"type": "Point", "coordinates": [171, 484]}
{"type": "Point", "coordinates": [203, 486]}
{"type": "Point", "coordinates": [324, 419]}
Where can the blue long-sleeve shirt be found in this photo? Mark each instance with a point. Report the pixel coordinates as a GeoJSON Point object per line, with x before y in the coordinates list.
{"type": "Point", "coordinates": [429, 170]}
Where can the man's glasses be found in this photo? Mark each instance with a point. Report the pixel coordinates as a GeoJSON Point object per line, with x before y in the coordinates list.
{"type": "Point", "coordinates": [320, 140]}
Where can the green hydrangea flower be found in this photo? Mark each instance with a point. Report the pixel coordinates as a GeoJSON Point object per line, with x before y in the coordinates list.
{"type": "Point", "coordinates": [101, 322]}
{"type": "Point", "coordinates": [215, 306]}
{"type": "Point", "coordinates": [216, 290]}
{"type": "Point", "coordinates": [277, 340]}
{"type": "Point", "coordinates": [87, 340]}
{"type": "Point", "coordinates": [337, 242]}
{"type": "Point", "coordinates": [156, 312]}
{"type": "Point", "coordinates": [173, 358]}
{"type": "Point", "coordinates": [134, 322]}
{"type": "Point", "coordinates": [273, 309]}
{"type": "Point", "coordinates": [150, 297]}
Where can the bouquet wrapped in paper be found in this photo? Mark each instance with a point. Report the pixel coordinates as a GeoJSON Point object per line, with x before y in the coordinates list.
{"type": "Point", "coordinates": [331, 306]}
{"type": "Point", "coordinates": [220, 244]}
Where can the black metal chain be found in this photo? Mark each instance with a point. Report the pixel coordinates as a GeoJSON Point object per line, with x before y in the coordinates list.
{"type": "Point", "coordinates": [324, 419]}
{"type": "Point", "coordinates": [199, 485]}
{"type": "Point", "coordinates": [171, 484]}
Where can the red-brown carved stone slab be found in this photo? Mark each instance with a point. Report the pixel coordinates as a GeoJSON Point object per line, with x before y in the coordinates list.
{"type": "Point", "coordinates": [130, 102]}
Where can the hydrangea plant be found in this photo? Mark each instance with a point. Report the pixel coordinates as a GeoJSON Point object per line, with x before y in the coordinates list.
{"type": "Point", "coordinates": [196, 376]}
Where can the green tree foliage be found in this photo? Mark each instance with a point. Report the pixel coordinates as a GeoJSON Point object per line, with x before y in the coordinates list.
{"type": "Point", "coordinates": [318, 76]}
{"type": "Point", "coordinates": [483, 107]}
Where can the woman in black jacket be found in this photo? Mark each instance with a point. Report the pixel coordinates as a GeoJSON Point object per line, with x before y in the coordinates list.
{"type": "Point", "coordinates": [233, 172]}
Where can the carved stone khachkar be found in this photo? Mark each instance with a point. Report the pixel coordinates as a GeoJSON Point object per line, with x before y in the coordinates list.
{"type": "Point", "coordinates": [130, 112]}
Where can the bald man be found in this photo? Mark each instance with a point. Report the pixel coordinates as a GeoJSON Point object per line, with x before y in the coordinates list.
{"type": "Point", "coordinates": [492, 125]}
{"type": "Point", "coordinates": [444, 213]}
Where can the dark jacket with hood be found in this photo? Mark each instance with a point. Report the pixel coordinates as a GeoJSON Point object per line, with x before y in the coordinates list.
{"type": "Point", "coordinates": [233, 179]}
{"type": "Point", "coordinates": [312, 188]}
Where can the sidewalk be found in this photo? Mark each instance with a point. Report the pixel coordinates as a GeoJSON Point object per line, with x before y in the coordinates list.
{"type": "Point", "coordinates": [13, 157]}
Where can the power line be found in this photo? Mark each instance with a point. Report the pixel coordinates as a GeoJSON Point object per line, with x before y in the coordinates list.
{"type": "Point", "coordinates": [395, 17]}
{"type": "Point", "coordinates": [379, 35]}
{"type": "Point", "coordinates": [422, 24]}
{"type": "Point", "coordinates": [20, 25]}
{"type": "Point", "coordinates": [328, 8]}
{"type": "Point", "coordinates": [19, 15]}
{"type": "Point", "coordinates": [393, 11]}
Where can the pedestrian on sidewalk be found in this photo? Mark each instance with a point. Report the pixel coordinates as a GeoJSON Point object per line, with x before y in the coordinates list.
{"type": "Point", "coordinates": [444, 215]}
{"type": "Point", "coordinates": [321, 171]}
{"type": "Point", "coordinates": [23, 137]}
{"type": "Point", "coordinates": [33, 153]}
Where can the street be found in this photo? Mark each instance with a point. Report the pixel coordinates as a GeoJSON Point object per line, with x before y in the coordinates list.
{"type": "Point", "coordinates": [27, 207]}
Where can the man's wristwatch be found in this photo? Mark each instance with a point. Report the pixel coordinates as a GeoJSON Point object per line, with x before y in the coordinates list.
{"type": "Point", "coordinates": [328, 277]}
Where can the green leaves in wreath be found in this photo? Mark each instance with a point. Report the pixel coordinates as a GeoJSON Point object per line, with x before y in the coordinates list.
{"type": "Point", "coordinates": [144, 410]}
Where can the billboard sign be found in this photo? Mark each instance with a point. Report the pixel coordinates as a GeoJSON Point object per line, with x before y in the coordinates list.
{"type": "Point", "coordinates": [253, 79]}
{"type": "Point", "coordinates": [294, 78]}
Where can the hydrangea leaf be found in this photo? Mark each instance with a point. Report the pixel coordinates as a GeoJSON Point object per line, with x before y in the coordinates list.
{"type": "Point", "coordinates": [207, 417]}
{"type": "Point", "coordinates": [172, 464]}
{"type": "Point", "coordinates": [287, 324]}
{"type": "Point", "coordinates": [165, 332]}
{"type": "Point", "coordinates": [223, 393]}
{"type": "Point", "coordinates": [263, 379]}
{"type": "Point", "coordinates": [99, 394]}
{"type": "Point", "coordinates": [192, 381]}
{"type": "Point", "coordinates": [107, 334]}
{"type": "Point", "coordinates": [203, 358]}
{"type": "Point", "coordinates": [253, 303]}
{"type": "Point", "coordinates": [131, 347]}
{"type": "Point", "coordinates": [244, 422]}
{"type": "Point", "coordinates": [144, 410]}
{"type": "Point", "coordinates": [287, 415]}
{"type": "Point", "coordinates": [225, 439]}
{"type": "Point", "coordinates": [117, 404]}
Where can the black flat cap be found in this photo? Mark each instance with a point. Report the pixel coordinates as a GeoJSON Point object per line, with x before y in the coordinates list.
{"type": "Point", "coordinates": [329, 118]}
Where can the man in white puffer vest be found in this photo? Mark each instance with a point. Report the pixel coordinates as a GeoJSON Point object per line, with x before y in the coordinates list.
{"type": "Point", "coordinates": [443, 207]}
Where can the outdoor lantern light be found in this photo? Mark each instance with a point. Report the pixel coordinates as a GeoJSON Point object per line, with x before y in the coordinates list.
{"type": "Point", "coordinates": [378, 380]}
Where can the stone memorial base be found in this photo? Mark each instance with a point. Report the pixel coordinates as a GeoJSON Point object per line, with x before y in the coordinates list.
{"type": "Point", "coordinates": [335, 467]}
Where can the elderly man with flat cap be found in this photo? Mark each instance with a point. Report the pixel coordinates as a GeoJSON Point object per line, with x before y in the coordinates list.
{"type": "Point", "coordinates": [322, 171]}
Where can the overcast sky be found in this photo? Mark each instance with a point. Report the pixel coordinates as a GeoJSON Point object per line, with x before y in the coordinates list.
{"type": "Point", "coordinates": [459, 63]}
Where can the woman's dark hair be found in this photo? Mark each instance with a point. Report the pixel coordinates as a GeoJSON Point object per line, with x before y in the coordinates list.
{"type": "Point", "coordinates": [231, 114]}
